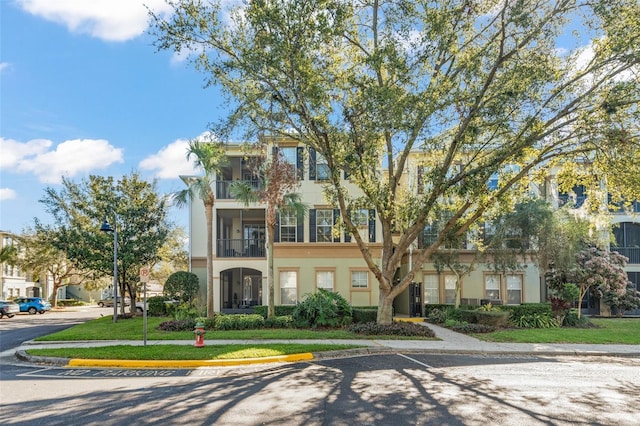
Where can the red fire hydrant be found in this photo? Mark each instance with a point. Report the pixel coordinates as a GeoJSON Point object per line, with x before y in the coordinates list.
{"type": "Point", "coordinates": [199, 332]}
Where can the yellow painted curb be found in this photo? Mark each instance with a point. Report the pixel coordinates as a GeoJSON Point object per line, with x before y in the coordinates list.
{"type": "Point", "coordinates": [125, 363]}
{"type": "Point", "coordinates": [414, 319]}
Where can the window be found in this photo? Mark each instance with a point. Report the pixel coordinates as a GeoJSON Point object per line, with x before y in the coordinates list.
{"type": "Point", "coordinates": [288, 287]}
{"type": "Point", "coordinates": [429, 235]}
{"type": "Point", "coordinates": [288, 227]}
{"type": "Point", "coordinates": [424, 185]}
{"type": "Point", "coordinates": [575, 198]}
{"type": "Point", "coordinates": [322, 168]}
{"type": "Point", "coordinates": [289, 154]}
{"type": "Point", "coordinates": [514, 289]}
{"type": "Point", "coordinates": [492, 287]}
{"type": "Point", "coordinates": [431, 293]}
{"type": "Point", "coordinates": [324, 226]}
{"type": "Point", "coordinates": [450, 289]}
{"type": "Point", "coordinates": [359, 279]}
{"type": "Point", "coordinates": [324, 280]}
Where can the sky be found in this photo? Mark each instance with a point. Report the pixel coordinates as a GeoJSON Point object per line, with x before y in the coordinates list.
{"type": "Point", "coordinates": [83, 91]}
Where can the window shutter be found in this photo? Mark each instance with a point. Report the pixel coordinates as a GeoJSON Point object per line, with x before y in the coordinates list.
{"type": "Point", "coordinates": [300, 162]}
{"type": "Point", "coordinates": [274, 151]}
{"type": "Point", "coordinates": [372, 226]}
{"type": "Point", "coordinates": [312, 225]}
{"type": "Point", "coordinates": [312, 164]}
{"type": "Point", "coordinates": [336, 215]}
{"type": "Point", "coordinates": [276, 231]}
{"type": "Point", "coordinates": [300, 226]}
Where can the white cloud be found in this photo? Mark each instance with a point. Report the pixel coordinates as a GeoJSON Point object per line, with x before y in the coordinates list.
{"type": "Point", "coordinates": [170, 162]}
{"type": "Point", "coordinates": [7, 194]}
{"type": "Point", "coordinates": [4, 66]}
{"type": "Point", "coordinates": [111, 20]}
{"type": "Point", "coordinates": [69, 158]}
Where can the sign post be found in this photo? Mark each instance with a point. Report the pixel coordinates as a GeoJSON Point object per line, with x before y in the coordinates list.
{"type": "Point", "coordinates": [144, 279]}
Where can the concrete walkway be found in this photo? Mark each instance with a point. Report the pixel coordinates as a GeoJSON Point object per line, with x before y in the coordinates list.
{"type": "Point", "coordinates": [450, 342]}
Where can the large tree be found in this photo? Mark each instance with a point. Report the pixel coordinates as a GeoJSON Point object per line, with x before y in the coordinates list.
{"type": "Point", "coordinates": [130, 204]}
{"type": "Point", "coordinates": [477, 85]}
{"type": "Point", "coordinates": [209, 157]}
{"type": "Point", "coordinates": [279, 179]}
{"type": "Point", "coordinates": [40, 256]}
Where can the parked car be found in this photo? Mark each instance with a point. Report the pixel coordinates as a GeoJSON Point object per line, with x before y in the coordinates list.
{"type": "Point", "coordinates": [33, 305]}
{"type": "Point", "coordinates": [108, 302]}
{"type": "Point", "coordinates": [8, 308]}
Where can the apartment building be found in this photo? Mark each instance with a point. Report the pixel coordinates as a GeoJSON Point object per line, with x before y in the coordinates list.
{"type": "Point", "coordinates": [311, 252]}
{"type": "Point", "coordinates": [13, 281]}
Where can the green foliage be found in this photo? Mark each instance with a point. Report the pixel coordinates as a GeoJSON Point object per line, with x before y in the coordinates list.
{"type": "Point", "coordinates": [156, 306]}
{"type": "Point", "coordinates": [397, 328]}
{"type": "Point", "coordinates": [280, 310]}
{"type": "Point", "coordinates": [437, 316]}
{"type": "Point", "coordinates": [473, 328]}
{"type": "Point", "coordinates": [361, 315]}
{"type": "Point", "coordinates": [622, 301]}
{"type": "Point", "coordinates": [185, 311]}
{"type": "Point", "coordinates": [322, 309]}
{"type": "Point", "coordinates": [572, 319]}
{"type": "Point", "coordinates": [283, 321]}
{"type": "Point", "coordinates": [535, 320]}
{"type": "Point", "coordinates": [187, 324]}
{"type": "Point", "coordinates": [238, 322]}
{"type": "Point", "coordinates": [492, 318]}
{"type": "Point", "coordinates": [182, 286]}
{"type": "Point", "coordinates": [528, 309]}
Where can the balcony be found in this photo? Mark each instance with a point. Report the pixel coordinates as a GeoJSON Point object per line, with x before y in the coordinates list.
{"type": "Point", "coordinates": [223, 191]}
{"type": "Point", "coordinates": [252, 247]}
{"type": "Point", "coordinates": [631, 253]}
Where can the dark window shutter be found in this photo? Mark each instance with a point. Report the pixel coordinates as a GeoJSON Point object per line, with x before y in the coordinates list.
{"type": "Point", "coordinates": [276, 231]}
{"type": "Point", "coordinates": [312, 225]}
{"type": "Point", "coordinates": [300, 226]}
{"type": "Point", "coordinates": [300, 162]}
{"type": "Point", "coordinates": [336, 215]}
{"type": "Point", "coordinates": [372, 226]}
{"type": "Point", "coordinates": [274, 151]}
{"type": "Point", "coordinates": [312, 164]}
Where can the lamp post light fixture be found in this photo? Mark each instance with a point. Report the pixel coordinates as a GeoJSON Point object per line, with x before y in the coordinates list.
{"type": "Point", "coordinates": [106, 227]}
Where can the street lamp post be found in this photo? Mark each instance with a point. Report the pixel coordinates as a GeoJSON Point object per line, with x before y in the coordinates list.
{"type": "Point", "coordinates": [106, 227]}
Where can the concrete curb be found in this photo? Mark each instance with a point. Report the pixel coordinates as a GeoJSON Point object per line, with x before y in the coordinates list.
{"type": "Point", "coordinates": [302, 357]}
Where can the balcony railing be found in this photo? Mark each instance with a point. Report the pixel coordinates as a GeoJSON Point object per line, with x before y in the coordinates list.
{"type": "Point", "coordinates": [631, 253]}
{"type": "Point", "coordinates": [223, 188]}
{"type": "Point", "coordinates": [252, 247]}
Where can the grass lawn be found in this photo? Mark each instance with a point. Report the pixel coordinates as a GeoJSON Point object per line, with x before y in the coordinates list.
{"type": "Point", "coordinates": [132, 329]}
{"type": "Point", "coordinates": [186, 352]}
{"type": "Point", "coordinates": [624, 331]}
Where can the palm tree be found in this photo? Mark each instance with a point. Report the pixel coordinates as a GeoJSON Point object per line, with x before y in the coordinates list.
{"type": "Point", "coordinates": [8, 254]}
{"type": "Point", "coordinates": [210, 157]}
{"type": "Point", "coordinates": [279, 179]}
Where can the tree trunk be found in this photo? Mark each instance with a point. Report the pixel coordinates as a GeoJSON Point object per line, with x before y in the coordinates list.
{"type": "Point", "coordinates": [208, 210]}
{"type": "Point", "coordinates": [271, 311]}
{"type": "Point", "coordinates": [54, 295]}
{"type": "Point", "coordinates": [385, 308]}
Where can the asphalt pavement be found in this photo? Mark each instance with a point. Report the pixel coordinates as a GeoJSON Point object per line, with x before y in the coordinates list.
{"type": "Point", "coordinates": [449, 342]}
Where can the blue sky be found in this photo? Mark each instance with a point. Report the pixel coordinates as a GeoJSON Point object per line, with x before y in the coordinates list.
{"type": "Point", "coordinates": [83, 91]}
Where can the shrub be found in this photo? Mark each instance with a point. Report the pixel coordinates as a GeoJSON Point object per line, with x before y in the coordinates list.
{"type": "Point", "coordinates": [70, 302]}
{"type": "Point", "coordinates": [182, 286]}
{"type": "Point", "coordinates": [528, 309]}
{"type": "Point", "coordinates": [572, 320]}
{"type": "Point", "coordinates": [322, 309]}
{"type": "Point", "coordinates": [280, 310]}
{"type": "Point", "coordinates": [473, 328]}
{"type": "Point", "coordinates": [492, 318]}
{"type": "Point", "coordinates": [437, 316]}
{"type": "Point", "coordinates": [535, 320]}
{"type": "Point", "coordinates": [185, 311]}
{"type": "Point", "coordinates": [238, 322]}
{"type": "Point", "coordinates": [282, 321]}
{"type": "Point", "coordinates": [157, 306]}
{"type": "Point", "coordinates": [362, 315]}
{"type": "Point", "coordinates": [179, 325]}
{"type": "Point", "coordinates": [398, 328]}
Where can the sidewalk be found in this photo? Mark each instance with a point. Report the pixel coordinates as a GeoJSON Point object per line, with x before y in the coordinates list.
{"type": "Point", "coordinates": [450, 343]}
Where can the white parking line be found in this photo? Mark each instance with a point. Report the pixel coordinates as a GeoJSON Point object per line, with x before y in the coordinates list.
{"type": "Point", "coordinates": [415, 360]}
